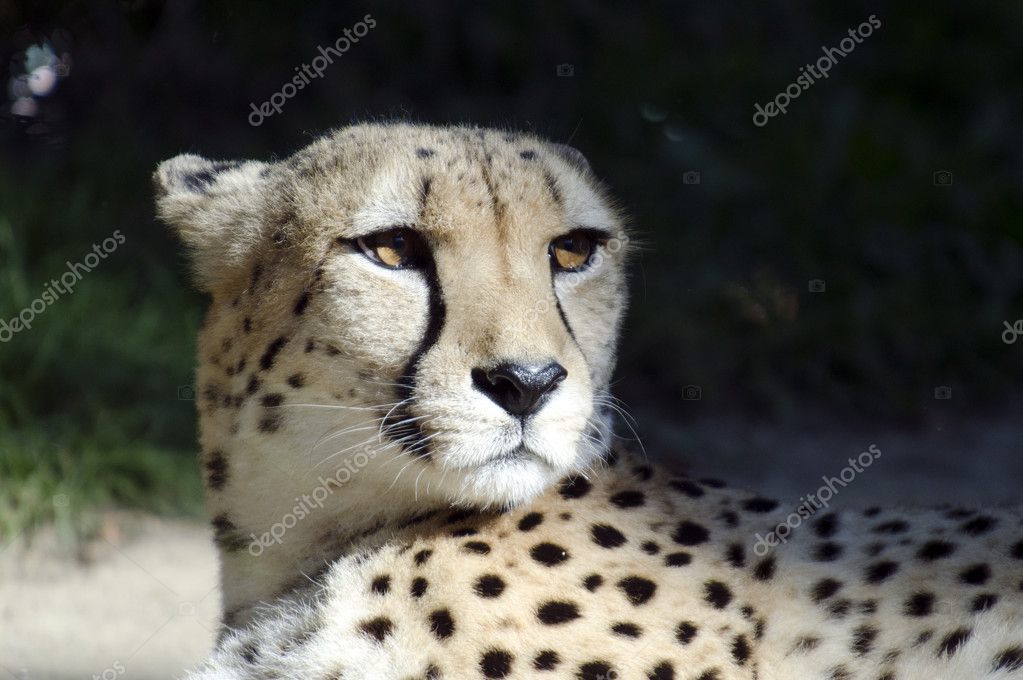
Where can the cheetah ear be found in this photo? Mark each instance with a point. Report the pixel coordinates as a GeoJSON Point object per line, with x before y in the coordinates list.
{"type": "Point", "coordinates": [215, 207]}
{"type": "Point", "coordinates": [572, 156]}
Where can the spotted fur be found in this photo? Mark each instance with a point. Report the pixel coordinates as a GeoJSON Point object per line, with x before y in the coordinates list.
{"type": "Point", "coordinates": [427, 533]}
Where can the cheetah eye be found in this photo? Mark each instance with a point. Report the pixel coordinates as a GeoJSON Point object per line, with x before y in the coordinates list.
{"type": "Point", "coordinates": [573, 251]}
{"type": "Point", "coordinates": [398, 248]}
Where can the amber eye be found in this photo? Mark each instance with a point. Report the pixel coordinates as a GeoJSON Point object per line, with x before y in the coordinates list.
{"type": "Point", "coordinates": [572, 252]}
{"type": "Point", "coordinates": [397, 248]}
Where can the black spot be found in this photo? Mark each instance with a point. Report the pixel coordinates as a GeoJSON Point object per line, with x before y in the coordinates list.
{"type": "Point", "coordinates": [729, 518]}
{"type": "Point", "coordinates": [1009, 660]}
{"type": "Point", "coordinates": [310, 345]}
{"type": "Point", "coordinates": [979, 526]}
{"type": "Point", "coordinates": [272, 400]}
{"type": "Point", "coordinates": [297, 380]}
{"type": "Point", "coordinates": [935, 550]}
{"type": "Point", "coordinates": [596, 670]}
{"type": "Point", "coordinates": [422, 556]}
{"type": "Point", "coordinates": [253, 386]}
{"type": "Point", "coordinates": [827, 551]}
{"type": "Point", "coordinates": [740, 650]}
{"type": "Point", "coordinates": [478, 547]}
{"type": "Point", "coordinates": [983, 602]}
{"type": "Point", "coordinates": [678, 559]}
{"type": "Point", "coordinates": [381, 585]}
{"type": "Point", "coordinates": [805, 644]}
{"type": "Point", "coordinates": [270, 423]}
{"type": "Point", "coordinates": [556, 611]}
{"type": "Point", "coordinates": [650, 548]}
{"type": "Point", "coordinates": [712, 483]}
{"type": "Point", "coordinates": [592, 582]}
{"type": "Point", "coordinates": [266, 362]}
{"type": "Point", "coordinates": [548, 554]}
{"type": "Point", "coordinates": [441, 623]}
{"type": "Point", "coordinates": [627, 630]}
{"type": "Point", "coordinates": [459, 516]}
{"type": "Point", "coordinates": [839, 608]}
{"type": "Point", "coordinates": [637, 589]}
{"type": "Point", "coordinates": [489, 585]}
{"type": "Point", "coordinates": [919, 604]}
{"type": "Point", "coordinates": [736, 555]}
{"type": "Point", "coordinates": [301, 303]}
{"type": "Point", "coordinates": [247, 325]}
{"type": "Point", "coordinates": [764, 571]}
{"type": "Point", "coordinates": [690, 533]}
{"type": "Point", "coordinates": [424, 153]}
{"type": "Point", "coordinates": [419, 586]}
{"type": "Point", "coordinates": [1017, 551]}
{"type": "Point", "coordinates": [760, 504]}
{"type": "Point", "coordinates": [839, 673]}
{"type": "Point", "coordinates": [826, 526]}
{"type": "Point", "coordinates": [527, 155]}
{"type": "Point", "coordinates": [530, 521]}
{"type": "Point", "coordinates": [976, 575]}
{"type": "Point", "coordinates": [895, 526]}
{"type": "Point", "coordinates": [868, 607]}
{"type": "Point", "coordinates": [951, 643]}
{"type": "Point", "coordinates": [496, 663]}
{"type": "Point", "coordinates": [689, 488]}
{"type": "Point", "coordinates": [824, 589]}
{"type": "Point", "coordinates": [685, 632]}
{"type": "Point", "coordinates": [574, 487]}
{"type": "Point", "coordinates": [378, 628]}
{"type": "Point", "coordinates": [226, 535]}
{"type": "Point", "coordinates": [872, 511]}
{"type": "Point", "coordinates": [663, 671]}
{"type": "Point", "coordinates": [606, 536]}
{"type": "Point", "coordinates": [546, 660]}
{"type": "Point", "coordinates": [880, 571]}
{"type": "Point", "coordinates": [717, 594]}
{"type": "Point", "coordinates": [628, 499]}
{"type": "Point", "coordinates": [216, 469]}
{"type": "Point", "coordinates": [463, 532]}
{"type": "Point", "coordinates": [863, 640]}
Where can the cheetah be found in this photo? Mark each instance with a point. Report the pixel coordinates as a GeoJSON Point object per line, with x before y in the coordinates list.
{"type": "Point", "coordinates": [407, 438]}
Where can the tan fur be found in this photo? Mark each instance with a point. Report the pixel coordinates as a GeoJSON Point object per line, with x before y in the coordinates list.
{"type": "Point", "coordinates": [310, 349]}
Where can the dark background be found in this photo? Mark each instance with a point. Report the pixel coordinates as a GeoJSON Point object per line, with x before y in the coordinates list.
{"type": "Point", "coordinates": [920, 270]}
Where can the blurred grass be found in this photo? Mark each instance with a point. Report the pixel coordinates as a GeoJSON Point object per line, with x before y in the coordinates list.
{"type": "Point", "coordinates": [95, 397]}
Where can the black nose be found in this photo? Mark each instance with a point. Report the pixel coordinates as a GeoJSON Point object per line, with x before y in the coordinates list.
{"type": "Point", "coordinates": [518, 389]}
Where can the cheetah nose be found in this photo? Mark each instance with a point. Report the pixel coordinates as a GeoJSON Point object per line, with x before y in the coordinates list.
{"type": "Point", "coordinates": [518, 389]}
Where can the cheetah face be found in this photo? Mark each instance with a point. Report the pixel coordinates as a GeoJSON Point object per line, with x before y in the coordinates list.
{"type": "Point", "coordinates": [466, 288]}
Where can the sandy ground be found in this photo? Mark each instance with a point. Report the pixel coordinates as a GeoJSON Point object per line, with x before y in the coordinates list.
{"type": "Point", "coordinates": [144, 604]}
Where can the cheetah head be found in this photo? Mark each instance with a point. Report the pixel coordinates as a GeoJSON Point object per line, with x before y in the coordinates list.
{"type": "Point", "coordinates": [443, 302]}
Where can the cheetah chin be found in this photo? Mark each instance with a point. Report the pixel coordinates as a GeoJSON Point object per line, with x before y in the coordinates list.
{"type": "Point", "coordinates": [410, 470]}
